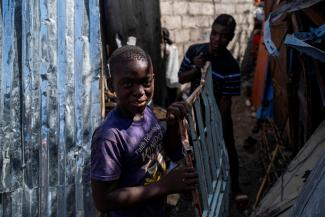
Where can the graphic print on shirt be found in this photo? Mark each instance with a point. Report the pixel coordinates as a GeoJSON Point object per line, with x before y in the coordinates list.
{"type": "Point", "coordinates": [150, 150]}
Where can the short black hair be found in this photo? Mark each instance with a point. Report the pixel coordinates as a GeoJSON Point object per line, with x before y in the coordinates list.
{"type": "Point", "coordinates": [127, 54]}
{"type": "Point", "coordinates": [227, 21]}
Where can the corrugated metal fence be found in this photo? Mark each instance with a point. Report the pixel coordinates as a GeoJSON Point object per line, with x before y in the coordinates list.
{"type": "Point", "coordinates": [49, 105]}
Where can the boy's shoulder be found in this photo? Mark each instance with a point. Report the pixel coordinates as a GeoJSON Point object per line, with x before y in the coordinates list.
{"type": "Point", "coordinates": [229, 59]}
{"type": "Point", "coordinates": [110, 125]}
{"type": "Point", "coordinates": [115, 123]}
{"type": "Point", "coordinates": [196, 49]}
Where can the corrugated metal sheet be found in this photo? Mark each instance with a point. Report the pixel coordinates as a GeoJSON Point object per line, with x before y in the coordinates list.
{"type": "Point", "coordinates": [311, 201]}
{"type": "Point", "coordinates": [49, 105]}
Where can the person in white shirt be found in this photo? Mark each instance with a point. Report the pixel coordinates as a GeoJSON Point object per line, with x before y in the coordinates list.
{"type": "Point", "coordinates": [170, 56]}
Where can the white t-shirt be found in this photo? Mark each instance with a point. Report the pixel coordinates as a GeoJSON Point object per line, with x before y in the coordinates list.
{"type": "Point", "coordinates": [172, 66]}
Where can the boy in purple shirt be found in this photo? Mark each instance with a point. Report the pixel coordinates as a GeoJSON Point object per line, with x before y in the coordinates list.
{"type": "Point", "coordinates": [128, 169]}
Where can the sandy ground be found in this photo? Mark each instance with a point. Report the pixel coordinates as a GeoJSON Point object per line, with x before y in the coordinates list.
{"type": "Point", "coordinates": [250, 168]}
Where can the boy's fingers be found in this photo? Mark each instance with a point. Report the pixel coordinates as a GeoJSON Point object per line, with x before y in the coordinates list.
{"type": "Point", "coordinates": [182, 110]}
{"type": "Point", "coordinates": [170, 116]}
{"type": "Point", "coordinates": [189, 169]}
{"type": "Point", "coordinates": [193, 182]}
{"type": "Point", "coordinates": [173, 112]}
{"type": "Point", "coordinates": [177, 110]}
{"type": "Point", "coordinates": [192, 175]}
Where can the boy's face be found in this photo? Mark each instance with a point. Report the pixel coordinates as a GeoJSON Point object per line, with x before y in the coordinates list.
{"type": "Point", "coordinates": [133, 84]}
{"type": "Point", "coordinates": [219, 38]}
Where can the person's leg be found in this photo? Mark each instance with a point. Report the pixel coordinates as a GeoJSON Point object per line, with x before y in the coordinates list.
{"type": "Point", "coordinates": [228, 134]}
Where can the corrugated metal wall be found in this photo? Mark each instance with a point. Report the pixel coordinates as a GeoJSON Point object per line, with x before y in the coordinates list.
{"type": "Point", "coordinates": [49, 105]}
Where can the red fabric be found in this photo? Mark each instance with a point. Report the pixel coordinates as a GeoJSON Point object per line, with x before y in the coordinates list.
{"type": "Point", "coordinates": [260, 75]}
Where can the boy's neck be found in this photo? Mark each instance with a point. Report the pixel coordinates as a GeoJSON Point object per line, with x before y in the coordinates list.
{"type": "Point", "coordinates": [217, 53]}
{"type": "Point", "coordinates": [125, 113]}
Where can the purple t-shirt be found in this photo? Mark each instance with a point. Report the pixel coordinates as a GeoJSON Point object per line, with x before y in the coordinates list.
{"type": "Point", "coordinates": [132, 152]}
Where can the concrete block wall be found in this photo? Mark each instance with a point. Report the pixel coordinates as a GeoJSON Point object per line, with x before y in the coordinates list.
{"type": "Point", "coordinates": [189, 21]}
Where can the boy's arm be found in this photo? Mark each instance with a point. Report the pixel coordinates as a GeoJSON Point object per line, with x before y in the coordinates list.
{"type": "Point", "coordinates": [194, 72]}
{"type": "Point", "coordinates": [108, 197]}
{"type": "Point", "coordinates": [172, 139]}
{"type": "Point", "coordinates": [189, 75]}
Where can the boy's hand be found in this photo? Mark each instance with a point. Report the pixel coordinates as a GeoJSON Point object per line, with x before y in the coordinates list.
{"type": "Point", "coordinates": [179, 179]}
{"type": "Point", "coordinates": [199, 61]}
{"type": "Point", "coordinates": [175, 112]}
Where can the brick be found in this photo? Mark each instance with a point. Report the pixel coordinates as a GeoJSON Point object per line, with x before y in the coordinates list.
{"type": "Point", "coordinates": [182, 35]}
{"type": "Point", "coordinates": [166, 8]}
{"type": "Point", "coordinates": [171, 22]}
{"type": "Point", "coordinates": [180, 8]}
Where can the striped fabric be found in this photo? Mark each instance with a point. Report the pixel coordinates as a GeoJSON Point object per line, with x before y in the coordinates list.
{"type": "Point", "coordinates": [225, 70]}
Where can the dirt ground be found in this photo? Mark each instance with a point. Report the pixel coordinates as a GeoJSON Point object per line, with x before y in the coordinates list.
{"type": "Point", "coordinates": [250, 168]}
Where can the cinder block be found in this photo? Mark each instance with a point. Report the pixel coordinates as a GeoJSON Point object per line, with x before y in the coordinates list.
{"type": "Point", "coordinates": [210, 1]}
{"type": "Point", "coordinates": [207, 9]}
{"type": "Point", "coordinates": [182, 35]}
{"type": "Point", "coordinates": [203, 21]}
{"type": "Point", "coordinates": [195, 8]}
{"type": "Point", "coordinates": [242, 8]}
{"type": "Point", "coordinates": [180, 51]}
{"type": "Point", "coordinates": [225, 9]}
{"type": "Point", "coordinates": [201, 34]}
{"type": "Point", "coordinates": [171, 22]}
{"type": "Point", "coordinates": [189, 21]}
{"type": "Point", "coordinates": [180, 8]}
{"type": "Point", "coordinates": [186, 46]}
{"type": "Point", "coordinates": [172, 34]}
{"type": "Point", "coordinates": [195, 34]}
{"type": "Point", "coordinates": [166, 8]}
{"type": "Point", "coordinates": [230, 1]}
